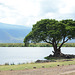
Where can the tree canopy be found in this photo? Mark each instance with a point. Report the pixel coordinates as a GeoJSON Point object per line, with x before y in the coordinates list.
{"type": "Point", "coordinates": [52, 31]}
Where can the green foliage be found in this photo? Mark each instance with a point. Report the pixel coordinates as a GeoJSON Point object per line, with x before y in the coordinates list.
{"type": "Point", "coordinates": [49, 45]}
{"type": "Point", "coordinates": [34, 45]}
{"type": "Point", "coordinates": [11, 44]}
{"type": "Point", "coordinates": [53, 32]}
{"type": "Point", "coordinates": [52, 58]}
{"type": "Point", "coordinates": [69, 45]}
{"type": "Point", "coordinates": [39, 45]}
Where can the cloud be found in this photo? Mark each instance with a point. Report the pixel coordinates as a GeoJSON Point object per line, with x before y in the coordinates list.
{"type": "Point", "coordinates": [28, 12]}
{"type": "Point", "coordinates": [8, 14]}
{"type": "Point", "coordinates": [49, 6]}
{"type": "Point", "coordinates": [23, 12]}
{"type": "Point", "coordinates": [58, 9]}
{"type": "Point", "coordinates": [68, 7]}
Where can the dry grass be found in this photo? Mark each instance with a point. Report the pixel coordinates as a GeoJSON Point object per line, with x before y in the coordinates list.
{"type": "Point", "coordinates": [34, 45]}
{"type": "Point", "coordinates": [37, 65]}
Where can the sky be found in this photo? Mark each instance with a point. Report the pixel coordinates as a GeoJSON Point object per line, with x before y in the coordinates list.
{"type": "Point", "coordinates": [28, 12]}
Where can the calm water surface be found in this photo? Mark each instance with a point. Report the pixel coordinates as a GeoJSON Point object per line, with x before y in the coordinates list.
{"type": "Point", "coordinates": [28, 54]}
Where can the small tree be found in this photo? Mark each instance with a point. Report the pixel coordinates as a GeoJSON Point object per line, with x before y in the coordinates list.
{"type": "Point", "coordinates": [53, 32]}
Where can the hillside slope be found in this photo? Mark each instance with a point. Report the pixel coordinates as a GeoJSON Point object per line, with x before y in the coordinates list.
{"type": "Point", "coordinates": [13, 33]}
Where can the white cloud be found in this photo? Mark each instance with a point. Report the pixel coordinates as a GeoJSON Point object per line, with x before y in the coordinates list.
{"type": "Point", "coordinates": [22, 9]}
{"type": "Point", "coordinates": [59, 9]}
{"type": "Point", "coordinates": [67, 7]}
{"type": "Point", "coordinates": [28, 12]}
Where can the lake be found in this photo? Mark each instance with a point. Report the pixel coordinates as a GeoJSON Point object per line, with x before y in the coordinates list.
{"type": "Point", "coordinates": [18, 55]}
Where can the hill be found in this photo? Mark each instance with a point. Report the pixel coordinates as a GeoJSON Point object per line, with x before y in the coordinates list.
{"type": "Point", "coordinates": [13, 33]}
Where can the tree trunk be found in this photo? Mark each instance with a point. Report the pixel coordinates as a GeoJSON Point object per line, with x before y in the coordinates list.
{"type": "Point", "coordinates": [57, 53]}
{"type": "Point", "coordinates": [57, 50]}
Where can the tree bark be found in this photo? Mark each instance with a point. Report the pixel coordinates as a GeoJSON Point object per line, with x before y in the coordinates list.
{"type": "Point", "coordinates": [57, 51]}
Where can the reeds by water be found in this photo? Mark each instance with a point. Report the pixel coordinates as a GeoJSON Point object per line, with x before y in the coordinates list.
{"type": "Point", "coordinates": [34, 45]}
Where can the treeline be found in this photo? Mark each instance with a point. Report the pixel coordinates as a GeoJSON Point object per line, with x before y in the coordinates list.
{"type": "Point", "coordinates": [11, 44]}
{"type": "Point", "coordinates": [34, 45]}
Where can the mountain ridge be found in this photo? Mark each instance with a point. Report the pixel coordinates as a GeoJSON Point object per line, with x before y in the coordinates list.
{"type": "Point", "coordinates": [13, 33]}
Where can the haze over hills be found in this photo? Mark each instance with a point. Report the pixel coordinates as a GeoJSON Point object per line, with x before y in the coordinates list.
{"type": "Point", "coordinates": [13, 33]}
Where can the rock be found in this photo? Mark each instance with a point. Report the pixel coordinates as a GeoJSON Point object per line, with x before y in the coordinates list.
{"type": "Point", "coordinates": [11, 69]}
{"type": "Point", "coordinates": [43, 66]}
{"type": "Point", "coordinates": [68, 56]}
{"type": "Point", "coordinates": [58, 65]}
{"type": "Point", "coordinates": [44, 61]}
{"type": "Point", "coordinates": [34, 67]}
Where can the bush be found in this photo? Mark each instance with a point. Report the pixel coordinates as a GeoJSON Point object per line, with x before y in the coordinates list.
{"type": "Point", "coordinates": [6, 63]}
{"type": "Point", "coordinates": [34, 45]}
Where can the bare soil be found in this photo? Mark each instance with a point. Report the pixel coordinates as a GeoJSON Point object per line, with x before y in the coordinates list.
{"type": "Point", "coordinates": [59, 70]}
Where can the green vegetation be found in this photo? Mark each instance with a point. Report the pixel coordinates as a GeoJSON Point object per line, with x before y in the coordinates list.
{"type": "Point", "coordinates": [49, 45]}
{"type": "Point", "coordinates": [69, 45]}
{"type": "Point", "coordinates": [37, 65]}
{"type": "Point", "coordinates": [53, 32]}
{"type": "Point", "coordinates": [11, 44]}
{"type": "Point", "coordinates": [56, 58]}
{"type": "Point", "coordinates": [34, 45]}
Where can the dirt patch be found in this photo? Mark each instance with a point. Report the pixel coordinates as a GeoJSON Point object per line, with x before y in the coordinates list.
{"type": "Point", "coordinates": [59, 70]}
{"type": "Point", "coordinates": [68, 73]}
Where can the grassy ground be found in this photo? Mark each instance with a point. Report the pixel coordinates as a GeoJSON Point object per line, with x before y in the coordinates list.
{"type": "Point", "coordinates": [49, 45]}
{"type": "Point", "coordinates": [37, 65]}
{"type": "Point", "coordinates": [34, 45]}
{"type": "Point", "coordinates": [11, 44]}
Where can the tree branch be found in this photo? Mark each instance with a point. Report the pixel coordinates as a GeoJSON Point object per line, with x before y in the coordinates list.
{"type": "Point", "coordinates": [63, 43]}
{"type": "Point", "coordinates": [46, 41]}
{"type": "Point", "coordinates": [57, 42]}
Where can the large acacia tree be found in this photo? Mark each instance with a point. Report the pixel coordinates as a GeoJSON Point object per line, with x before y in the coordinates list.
{"type": "Point", "coordinates": [53, 32]}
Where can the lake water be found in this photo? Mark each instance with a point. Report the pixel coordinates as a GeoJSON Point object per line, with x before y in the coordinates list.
{"type": "Point", "coordinates": [28, 54]}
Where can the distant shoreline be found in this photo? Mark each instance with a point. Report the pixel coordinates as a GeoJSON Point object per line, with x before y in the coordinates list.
{"type": "Point", "coordinates": [34, 45]}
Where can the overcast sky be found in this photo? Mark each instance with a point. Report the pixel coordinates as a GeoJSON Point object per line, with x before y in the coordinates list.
{"type": "Point", "coordinates": [28, 12]}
